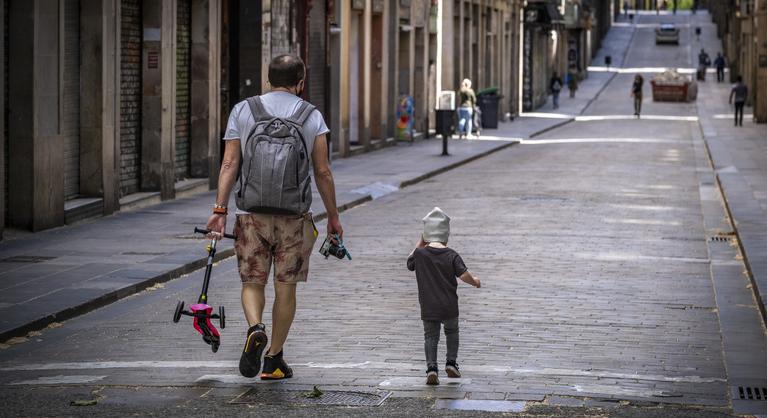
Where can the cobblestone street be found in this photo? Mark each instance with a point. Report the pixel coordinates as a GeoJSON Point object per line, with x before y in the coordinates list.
{"type": "Point", "coordinates": [597, 294]}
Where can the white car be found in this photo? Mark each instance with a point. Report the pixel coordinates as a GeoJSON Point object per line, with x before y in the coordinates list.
{"type": "Point", "coordinates": [667, 34]}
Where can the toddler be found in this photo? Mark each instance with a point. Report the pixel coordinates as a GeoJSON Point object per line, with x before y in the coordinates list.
{"type": "Point", "coordinates": [436, 268]}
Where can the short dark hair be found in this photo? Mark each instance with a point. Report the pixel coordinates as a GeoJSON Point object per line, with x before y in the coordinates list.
{"type": "Point", "coordinates": [286, 71]}
{"type": "Point", "coordinates": [740, 79]}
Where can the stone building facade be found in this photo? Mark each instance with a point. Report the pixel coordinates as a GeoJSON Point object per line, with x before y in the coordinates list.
{"type": "Point", "coordinates": [116, 104]}
{"type": "Point", "coordinates": [742, 26]}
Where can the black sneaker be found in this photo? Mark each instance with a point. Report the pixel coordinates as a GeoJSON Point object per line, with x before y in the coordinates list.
{"type": "Point", "coordinates": [250, 360]}
{"type": "Point", "coordinates": [432, 376]}
{"type": "Point", "coordinates": [275, 368]}
{"type": "Point", "coordinates": [451, 368]}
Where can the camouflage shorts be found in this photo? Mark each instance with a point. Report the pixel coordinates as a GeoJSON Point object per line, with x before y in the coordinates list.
{"type": "Point", "coordinates": [283, 240]}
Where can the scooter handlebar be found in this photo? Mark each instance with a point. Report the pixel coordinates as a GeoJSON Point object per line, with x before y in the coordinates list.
{"type": "Point", "coordinates": [207, 231]}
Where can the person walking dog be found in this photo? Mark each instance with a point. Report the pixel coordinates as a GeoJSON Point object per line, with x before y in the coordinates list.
{"type": "Point", "coordinates": [274, 225]}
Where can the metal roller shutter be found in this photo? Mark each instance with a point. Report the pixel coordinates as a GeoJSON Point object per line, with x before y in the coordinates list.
{"type": "Point", "coordinates": [130, 96]}
{"type": "Point", "coordinates": [183, 86]}
{"type": "Point", "coordinates": [71, 100]}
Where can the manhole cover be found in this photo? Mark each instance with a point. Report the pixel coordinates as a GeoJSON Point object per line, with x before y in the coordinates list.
{"type": "Point", "coordinates": [328, 397]}
{"type": "Point", "coordinates": [26, 259]}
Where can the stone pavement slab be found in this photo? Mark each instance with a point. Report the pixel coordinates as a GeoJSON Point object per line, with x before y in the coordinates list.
{"type": "Point", "coordinates": [54, 275]}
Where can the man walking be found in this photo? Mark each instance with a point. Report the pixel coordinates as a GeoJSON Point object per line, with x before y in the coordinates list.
{"type": "Point", "coordinates": [703, 62]}
{"type": "Point", "coordinates": [636, 92]}
{"type": "Point", "coordinates": [719, 63]}
{"type": "Point", "coordinates": [739, 92]}
{"type": "Point", "coordinates": [274, 225]}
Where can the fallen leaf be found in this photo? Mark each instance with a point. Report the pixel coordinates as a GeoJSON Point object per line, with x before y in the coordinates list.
{"type": "Point", "coordinates": [315, 393]}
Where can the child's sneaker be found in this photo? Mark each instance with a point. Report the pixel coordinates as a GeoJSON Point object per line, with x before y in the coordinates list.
{"type": "Point", "coordinates": [250, 360]}
{"type": "Point", "coordinates": [451, 368]}
{"type": "Point", "coordinates": [431, 376]}
{"type": "Point", "coordinates": [275, 368]}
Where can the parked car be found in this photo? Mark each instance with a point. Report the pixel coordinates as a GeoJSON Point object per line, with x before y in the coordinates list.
{"type": "Point", "coordinates": [667, 34]}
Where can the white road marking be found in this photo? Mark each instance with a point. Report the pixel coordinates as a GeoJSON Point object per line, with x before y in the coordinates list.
{"type": "Point", "coordinates": [59, 380]}
{"type": "Point", "coordinates": [599, 141]}
{"type": "Point", "coordinates": [368, 365]}
{"type": "Point", "coordinates": [377, 189]}
{"type": "Point", "coordinates": [632, 117]}
{"type": "Point", "coordinates": [408, 382]}
{"type": "Point", "coordinates": [637, 257]}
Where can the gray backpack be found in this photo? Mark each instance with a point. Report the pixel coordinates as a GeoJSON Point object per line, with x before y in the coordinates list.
{"type": "Point", "coordinates": [274, 171]}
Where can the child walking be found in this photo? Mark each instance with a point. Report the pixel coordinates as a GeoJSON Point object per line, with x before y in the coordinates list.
{"type": "Point", "coordinates": [436, 267]}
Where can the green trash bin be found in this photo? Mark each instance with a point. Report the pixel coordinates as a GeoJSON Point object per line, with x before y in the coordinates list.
{"type": "Point", "coordinates": [488, 105]}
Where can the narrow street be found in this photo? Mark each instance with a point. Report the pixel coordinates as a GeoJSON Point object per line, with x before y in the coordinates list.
{"type": "Point", "coordinates": [597, 294]}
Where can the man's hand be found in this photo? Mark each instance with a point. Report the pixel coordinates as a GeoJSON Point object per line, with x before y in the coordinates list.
{"type": "Point", "coordinates": [334, 227]}
{"type": "Point", "coordinates": [216, 225]}
{"type": "Point", "coordinates": [421, 243]}
{"type": "Point", "coordinates": [477, 282]}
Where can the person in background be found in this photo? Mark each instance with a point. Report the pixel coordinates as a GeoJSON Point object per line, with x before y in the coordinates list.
{"type": "Point", "coordinates": [555, 85]}
{"type": "Point", "coordinates": [636, 92]}
{"type": "Point", "coordinates": [739, 92]}
{"type": "Point", "coordinates": [572, 82]}
{"type": "Point", "coordinates": [703, 62]}
{"type": "Point", "coordinates": [719, 63]}
{"type": "Point", "coordinates": [466, 108]}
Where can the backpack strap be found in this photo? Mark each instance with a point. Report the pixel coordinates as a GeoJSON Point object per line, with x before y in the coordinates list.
{"type": "Point", "coordinates": [257, 109]}
{"type": "Point", "coordinates": [303, 112]}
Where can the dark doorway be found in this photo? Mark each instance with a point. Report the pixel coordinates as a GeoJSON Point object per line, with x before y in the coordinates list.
{"type": "Point", "coordinates": [240, 55]}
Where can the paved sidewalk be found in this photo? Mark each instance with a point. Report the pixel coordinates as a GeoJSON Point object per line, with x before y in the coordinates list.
{"type": "Point", "coordinates": [738, 155]}
{"type": "Point", "coordinates": [54, 275]}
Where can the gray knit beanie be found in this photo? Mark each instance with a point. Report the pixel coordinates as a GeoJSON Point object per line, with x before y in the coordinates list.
{"type": "Point", "coordinates": [436, 226]}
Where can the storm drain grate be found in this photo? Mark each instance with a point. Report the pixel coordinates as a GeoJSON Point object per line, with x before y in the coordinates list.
{"type": "Point", "coordinates": [26, 259]}
{"type": "Point", "coordinates": [328, 397]}
{"type": "Point", "coordinates": [719, 238]}
{"type": "Point", "coordinates": [750, 393]}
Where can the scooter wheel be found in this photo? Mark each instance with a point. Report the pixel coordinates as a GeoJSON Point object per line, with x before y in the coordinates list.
{"type": "Point", "coordinates": [177, 313]}
{"type": "Point", "coordinates": [221, 317]}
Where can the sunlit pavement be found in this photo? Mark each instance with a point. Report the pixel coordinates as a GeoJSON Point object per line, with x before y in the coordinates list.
{"type": "Point", "coordinates": [598, 296]}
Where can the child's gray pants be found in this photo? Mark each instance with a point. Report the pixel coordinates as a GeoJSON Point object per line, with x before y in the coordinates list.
{"type": "Point", "coordinates": [431, 340]}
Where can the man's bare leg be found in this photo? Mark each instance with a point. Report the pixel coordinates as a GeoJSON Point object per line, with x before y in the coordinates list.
{"type": "Point", "coordinates": [283, 312]}
{"type": "Point", "coordinates": [253, 302]}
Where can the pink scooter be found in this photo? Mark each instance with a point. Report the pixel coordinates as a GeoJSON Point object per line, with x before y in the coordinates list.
{"type": "Point", "coordinates": [201, 311]}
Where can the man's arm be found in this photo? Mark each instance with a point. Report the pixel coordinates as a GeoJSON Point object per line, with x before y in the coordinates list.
{"type": "Point", "coordinates": [323, 177]}
{"type": "Point", "coordinates": [230, 165]}
{"type": "Point", "coordinates": [470, 279]}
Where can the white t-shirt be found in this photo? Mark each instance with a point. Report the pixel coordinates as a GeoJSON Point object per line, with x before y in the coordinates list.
{"type": "Point", "coordinates": [278, 104]}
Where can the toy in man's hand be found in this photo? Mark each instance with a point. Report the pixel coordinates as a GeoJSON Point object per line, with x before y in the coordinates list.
{"type": "Point", "coordinates": [201, 311]}
{"type": "Point", "coordinates": [330, 247]}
